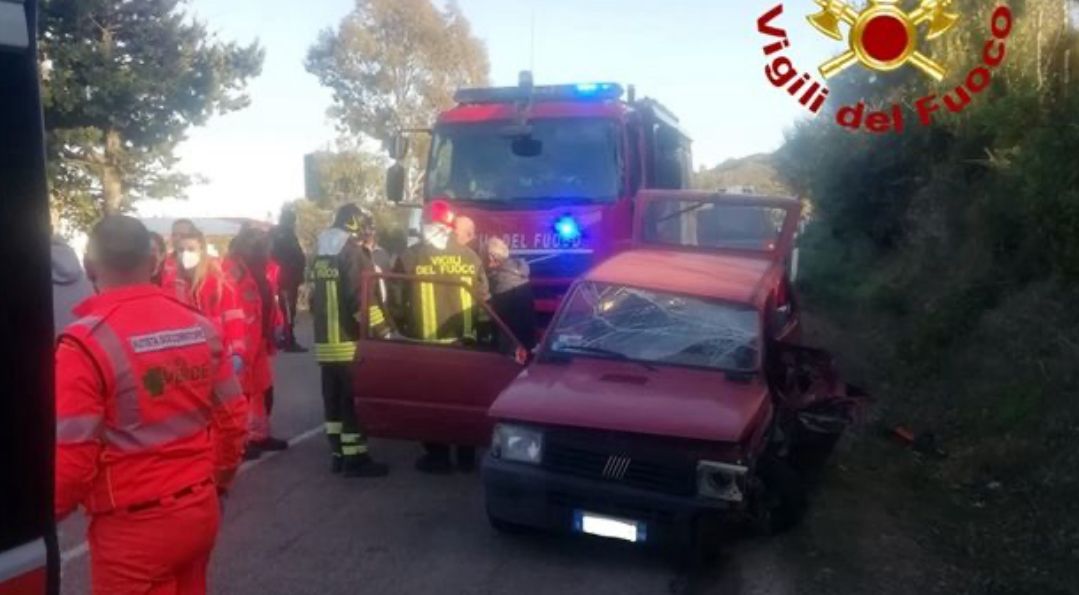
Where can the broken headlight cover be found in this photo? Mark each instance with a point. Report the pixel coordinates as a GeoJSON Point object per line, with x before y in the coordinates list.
{"type": "Point", "coordinates": [517, 443]}
{"type": "Point", "coordinates": [721, 481]}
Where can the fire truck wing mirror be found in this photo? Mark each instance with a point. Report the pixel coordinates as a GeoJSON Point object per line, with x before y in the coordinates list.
{"type": "Point", "coordinates": [397, 147]}
{"type": "Point", "coordinates": [395, 183]}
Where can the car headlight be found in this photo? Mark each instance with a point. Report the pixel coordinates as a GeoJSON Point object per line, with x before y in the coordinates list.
{"type": "Point", "coordinates": [517, 443]}
{"type": "Point", "coordinates": [721, 481]}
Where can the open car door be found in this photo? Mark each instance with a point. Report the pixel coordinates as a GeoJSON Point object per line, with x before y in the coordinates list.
{"type": "Point", "coordinates": [431, 389]}
{"type": "Point", "coordinates": [759, 227]}
{"type": "Point", "coordinates": [747, 225]}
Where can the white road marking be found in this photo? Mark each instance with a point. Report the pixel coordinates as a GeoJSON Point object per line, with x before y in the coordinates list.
{"type": "Point", "coordinates": [83, 548]}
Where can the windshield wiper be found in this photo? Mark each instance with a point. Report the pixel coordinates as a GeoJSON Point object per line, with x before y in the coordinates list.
{"type": "Point", "coordinates": [608, 353]}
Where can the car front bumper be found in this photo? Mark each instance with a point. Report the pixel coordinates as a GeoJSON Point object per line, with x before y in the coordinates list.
{"type": "Point", "coordinates": [529, 495]}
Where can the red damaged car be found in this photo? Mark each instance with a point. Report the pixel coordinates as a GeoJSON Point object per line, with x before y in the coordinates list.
{"type": "Point", "coordinates": [667, 396]}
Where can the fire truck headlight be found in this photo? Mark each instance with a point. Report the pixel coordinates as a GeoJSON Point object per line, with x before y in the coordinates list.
{"type": "Point", "coordinates": [567, 229]}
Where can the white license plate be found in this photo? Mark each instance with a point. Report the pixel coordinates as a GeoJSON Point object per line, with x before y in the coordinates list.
{"type": "Point", "coordinates": [610, 527]}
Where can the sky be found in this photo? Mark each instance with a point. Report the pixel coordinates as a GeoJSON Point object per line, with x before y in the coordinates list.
{"type": "Point", "coordinates": [703, 59]}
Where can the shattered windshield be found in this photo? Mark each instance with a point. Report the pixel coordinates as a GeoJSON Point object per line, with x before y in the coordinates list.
{"type": "Point", "coordinates": [570, 158]}
{"type": "Point", "coordinates": [637, 324]}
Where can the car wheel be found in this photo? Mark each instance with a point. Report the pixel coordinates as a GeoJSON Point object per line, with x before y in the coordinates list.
{"type": "Point", "coordinates": [783, 502]}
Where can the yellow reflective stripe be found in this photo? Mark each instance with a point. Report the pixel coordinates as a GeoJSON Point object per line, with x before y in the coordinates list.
{"type": "Point", "coordinates": [466, 307]}
{"type": "Point", "coordinates": [427, 303]}
{"type": "Point", "coordinates": [374, 313]}
{"type": "Point", "coordinates": [333, 314]}
{"type": "Point", "coordinates": [350, 438]}
{"type": "Point", "coordinates": [334, 427]}
{"type": "Point", "coordinates": [340, 352]}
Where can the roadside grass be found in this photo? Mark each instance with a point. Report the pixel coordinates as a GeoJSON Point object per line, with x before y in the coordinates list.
{"type": "Point", "coordinates": [991, 373]}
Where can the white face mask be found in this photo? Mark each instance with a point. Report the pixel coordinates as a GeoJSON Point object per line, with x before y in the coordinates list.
{"type": "Point", "coordinates": [190, 259]}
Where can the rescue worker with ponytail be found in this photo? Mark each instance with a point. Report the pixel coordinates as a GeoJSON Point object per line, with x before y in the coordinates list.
{"type": "Point", "coordinates": [337, 274]}
{"type": "Point", "coordinates": [150, 423]}
{"type": "Point", "coordinates": [197, 280]}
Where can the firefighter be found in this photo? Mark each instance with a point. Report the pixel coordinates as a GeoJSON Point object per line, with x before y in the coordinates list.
{"type": "Point", "coordinates": [246, 269]}
{"type": "Point", "coordinates": [339, 264]}
{"type": "Point", "coordinates": [442, 313]}
{"type": "Point", "coordinates": [150, 423]}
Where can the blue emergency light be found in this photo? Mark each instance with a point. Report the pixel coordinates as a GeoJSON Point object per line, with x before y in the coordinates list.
{"type": "Point", "coordinates": [567, 229]}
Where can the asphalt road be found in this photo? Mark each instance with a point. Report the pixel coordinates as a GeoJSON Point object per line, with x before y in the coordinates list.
{"type": "Point", "coordinates": [293, 528]}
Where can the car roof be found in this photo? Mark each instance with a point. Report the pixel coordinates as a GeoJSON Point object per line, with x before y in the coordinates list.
{"type": "Point", "coordinates": [726, 277]}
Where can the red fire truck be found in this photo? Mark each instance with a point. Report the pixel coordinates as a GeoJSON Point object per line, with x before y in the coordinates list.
{"type": "Point", "coordinates": [553, 170]}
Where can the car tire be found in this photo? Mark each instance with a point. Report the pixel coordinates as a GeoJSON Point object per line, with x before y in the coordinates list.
{"type": "Point", "coordinates": [784, 498]}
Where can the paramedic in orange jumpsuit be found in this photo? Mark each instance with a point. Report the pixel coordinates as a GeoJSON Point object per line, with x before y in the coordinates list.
{"type": "Point", "coordinates": [150, 423]}
{"type": "Point", "coordinates": [248, 270]}
{"type": "Point", "coordinates": [198, 280]}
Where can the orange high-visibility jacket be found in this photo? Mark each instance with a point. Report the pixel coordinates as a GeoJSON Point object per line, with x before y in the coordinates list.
{"type": "Point", "coordinates": [146, 402]}
{"type": "Point", "coordinates": [263, 366]}
{"type": "Point", "coordinates": [217, 299]}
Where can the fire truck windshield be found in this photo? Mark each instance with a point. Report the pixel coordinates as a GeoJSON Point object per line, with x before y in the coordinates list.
{"type": "Point", "coordinates": [569, 159]}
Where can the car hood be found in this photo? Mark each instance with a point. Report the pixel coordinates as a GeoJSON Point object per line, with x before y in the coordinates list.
{"type": "Point", "coordinates": [627, 397]}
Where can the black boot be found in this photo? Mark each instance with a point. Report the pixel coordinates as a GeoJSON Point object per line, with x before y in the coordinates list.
{"type": "Point", "coordinates": [364, 466]}
{"type": "Point", "coordinates": [337, 464]}
{"type": "Point", "coordinates": [252, 452]}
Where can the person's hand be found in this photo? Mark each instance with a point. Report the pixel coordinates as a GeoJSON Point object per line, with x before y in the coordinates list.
{"type": "Point", "coordinates": [237, 364]}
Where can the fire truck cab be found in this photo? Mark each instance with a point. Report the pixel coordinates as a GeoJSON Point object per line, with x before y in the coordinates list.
{"type": "Point", "coordinates": [552, 170]}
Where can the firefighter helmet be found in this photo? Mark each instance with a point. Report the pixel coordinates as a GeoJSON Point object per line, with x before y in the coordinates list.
{"type": "Point", "coordinates": [440, 212]}
{"type": "Point", "coordinates": [353, 219]}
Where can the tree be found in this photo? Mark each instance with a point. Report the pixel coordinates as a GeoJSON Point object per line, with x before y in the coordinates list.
{"type": "Point", "coordinates": [122, 81]}
{"type": "Point", "coordinates": [348, 175]}
{"type": "Point", "coordinates": [394, 64]}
